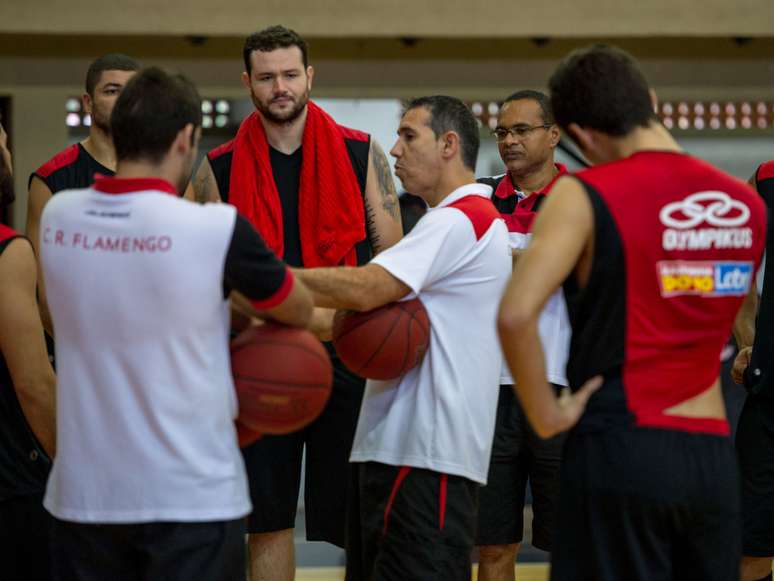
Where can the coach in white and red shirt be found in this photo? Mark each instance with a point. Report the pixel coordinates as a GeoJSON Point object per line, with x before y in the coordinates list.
{"type": "Point", "coordinates": [423, 440]}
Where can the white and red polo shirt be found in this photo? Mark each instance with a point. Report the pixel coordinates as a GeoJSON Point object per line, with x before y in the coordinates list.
{"type": "Point", "coordinates": [137, 282]}
{"type": "Point", "coordinates": [441, 414]}
{"type": "Point", "coordinates": [519, 212]}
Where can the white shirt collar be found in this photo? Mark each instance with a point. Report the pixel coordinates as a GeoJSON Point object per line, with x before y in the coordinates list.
{"type": "Point", "coordinates": [467, 190]}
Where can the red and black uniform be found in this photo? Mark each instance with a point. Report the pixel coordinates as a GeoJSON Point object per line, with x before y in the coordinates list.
{"type": "Point", "coordinates": [274, 462]}
{"type": "Point", "coordinates": [645, 494]}
{"type": "Point", "coordinates": [755, 434]}
{"type": "Point", "coordinates": [71, 168]}
{"type": "Point", "coordinates": [24, 468]}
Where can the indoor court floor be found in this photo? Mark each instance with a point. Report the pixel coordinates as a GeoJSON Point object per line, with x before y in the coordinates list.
{"type": "Point", "coordinates": [525, 572]}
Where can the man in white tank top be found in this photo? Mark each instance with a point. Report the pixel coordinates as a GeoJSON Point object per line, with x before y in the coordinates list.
{"type": "Point", "coordinates": [148, 481]}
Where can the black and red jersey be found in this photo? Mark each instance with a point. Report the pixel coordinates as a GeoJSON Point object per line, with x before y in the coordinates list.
{"type": "Point", "coordinates": [518, 210]}
{"type": "Point", "coordinates": [677, 243]}
{"type": "Point", "coordinates": [759, 376]}
{"type": "Point", "coordinates": [358, 146]}
{"type": "Point", "coordinates": [24, 465]}
{"type": "Point", "coordinates": [71, 168]}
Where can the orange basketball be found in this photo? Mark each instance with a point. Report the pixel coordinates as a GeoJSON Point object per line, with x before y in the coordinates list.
{"type": "Point", "coordinates": [283, 379]}
{"type": "Point", "coordinates": [384, 343]}
{"type": "Point", "coordinates": [245, 435]}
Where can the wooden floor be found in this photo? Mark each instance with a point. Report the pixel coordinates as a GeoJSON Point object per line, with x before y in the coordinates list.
{"type": "Point", "coordinates": [527, 572]}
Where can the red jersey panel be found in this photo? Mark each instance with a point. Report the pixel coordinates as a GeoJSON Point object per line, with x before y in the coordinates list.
{"type": "Point", "coordinates": [678, 243]}
{"type": "Point", "coordinates": [7, 233]}
{"type": "Point", "coordinates": [480, 211]}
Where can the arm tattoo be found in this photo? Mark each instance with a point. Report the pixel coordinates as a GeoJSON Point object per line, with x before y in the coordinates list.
{"type": "Point", "coordinates": [202, 183]}
{"type": "Point", "coordinates": [373, 232]}
{"type": "Point", "coordinates": [384, 178]}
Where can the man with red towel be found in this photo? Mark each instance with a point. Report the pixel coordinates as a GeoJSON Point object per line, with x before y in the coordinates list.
{"type": "Point", "coordinates": [320, 195]}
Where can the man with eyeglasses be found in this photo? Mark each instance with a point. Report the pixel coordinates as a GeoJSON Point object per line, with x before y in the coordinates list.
{"type": "Point", "coordinates": [526, 138]}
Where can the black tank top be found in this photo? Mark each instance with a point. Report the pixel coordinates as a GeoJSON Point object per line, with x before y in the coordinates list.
{"type": "Point", "coordinates": [71, 168]}
{"type": "Point", "coordinates": [671, 267]}
{"type": "Point", "coordinates": [287, 176]}
{"type": "Point", "coordinates": [24, 466]}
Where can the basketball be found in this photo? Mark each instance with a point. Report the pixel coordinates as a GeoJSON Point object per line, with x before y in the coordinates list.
{"type": "Point", "coordinates": [283, 379]}
{"type": "Point", "coordinates": [383, 343]}
{"type": "Point", "coordinates": [246, 436]}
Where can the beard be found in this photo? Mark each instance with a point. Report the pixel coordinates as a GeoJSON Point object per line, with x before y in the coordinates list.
{"type": "Point", "coordinates": [283, 118]}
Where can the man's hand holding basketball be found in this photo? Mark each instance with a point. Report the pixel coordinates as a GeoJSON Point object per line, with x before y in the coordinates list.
{"type": "Point", "coordinates": [321, 323]}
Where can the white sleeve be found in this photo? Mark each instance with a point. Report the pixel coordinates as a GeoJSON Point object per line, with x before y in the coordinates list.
{"type": "Point", "coordinates": [439, 242]}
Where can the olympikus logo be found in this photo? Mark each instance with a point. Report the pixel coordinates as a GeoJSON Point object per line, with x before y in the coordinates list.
{"type": "Point", "coordinates": [713, 208]}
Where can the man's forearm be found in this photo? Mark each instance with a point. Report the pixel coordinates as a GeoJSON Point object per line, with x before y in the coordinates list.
{"type": "Point", "coordinates": [339, 287]}
{"type": "Point", "coordinates": [38, 402]}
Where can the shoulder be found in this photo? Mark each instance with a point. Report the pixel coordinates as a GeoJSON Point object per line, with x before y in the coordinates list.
{"type": "Point", "coordinates": [62, 159]}
{"type": "Point", "coordinates": [16, 255]}
{"type": "Point", "coordinates": [57, 172]}
{"type": "Point", "coordinates": [8, 236]}
{"type": "Point", "coordinates": [476, 211]}
{"type": "Point", "coordinates": [6, 233]}
{"type": "Point", "coordinates": [765, 171]}
{"type": "Point", "coordinates": [354, 135]}
{"type": "Point", "coordinates": [60, 203]}
{"type": "Point", "coordinates": [207, 215]}
{"type": "Point", "coordinates": [221, 150]}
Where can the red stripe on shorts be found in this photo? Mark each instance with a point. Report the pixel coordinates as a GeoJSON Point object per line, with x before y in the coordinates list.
{"type": "Point", "coordinates": [442, 502]}
{"type": "Point", "coordinates": [402, 473]}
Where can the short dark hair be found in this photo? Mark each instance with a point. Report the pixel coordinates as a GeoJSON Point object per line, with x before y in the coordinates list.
{"type": "Point", "coordinates": [109, 62]}
{"type": "Point", "coordinates": [539, 97]}
{"type": "Point", "coordinates": [451, 114]}
{"type": "Point", "coordinates": [272, 38]}
{"type": "Point", "coordinates": [151, 110]}
{"type": "Point", "coordinates": [601, 87]}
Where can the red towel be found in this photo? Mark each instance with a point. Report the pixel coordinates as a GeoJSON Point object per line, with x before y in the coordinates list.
{"type": "Point", "coordinates": [330, 204]}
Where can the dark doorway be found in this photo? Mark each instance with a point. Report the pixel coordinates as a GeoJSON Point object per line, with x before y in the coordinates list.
{"type": "Point", "coordinates": [5, 119]}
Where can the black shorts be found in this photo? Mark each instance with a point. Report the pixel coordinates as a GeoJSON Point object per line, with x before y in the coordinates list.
{"type": "Point", "coordinates": [518, 455]}
{"type": "Point", "coordinates": [647, 505]}
{"type": "Point", "coordinates": [410, 524]}
{"type": "Point", "coordinates": [206, 551]}
{"type": "Point", "coordinates": [755, 449]}
{"type": "Point", "coordinates": [25, 528]}
{"type": "Point", "coordinates": [274, 468]}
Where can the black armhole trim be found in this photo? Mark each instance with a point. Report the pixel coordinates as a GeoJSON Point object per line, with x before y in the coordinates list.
{"type": "Point", "coordinates": [4, 244]}
{"type": "Point", "coordinates": [604, 226]}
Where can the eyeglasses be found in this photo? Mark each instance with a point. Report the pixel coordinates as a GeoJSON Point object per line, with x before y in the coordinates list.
{"type": "Point", "coordinates": [517, 131]}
